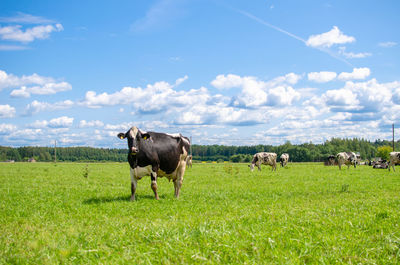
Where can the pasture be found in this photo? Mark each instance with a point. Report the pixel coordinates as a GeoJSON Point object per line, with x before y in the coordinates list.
{"type": "Point", "coordinates": [305, 213]}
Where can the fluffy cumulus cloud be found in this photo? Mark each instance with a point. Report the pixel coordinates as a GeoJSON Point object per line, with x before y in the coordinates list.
{"type": "Point", "coordinates": [6, 111]}
{"type": "Point", "coordinates": [255, 93]}
{"type": "Point", "coordinates": [17, 33]}
{"type": "Point", "coordinates": [154, 98]}
{"type": "Point", "coordinates": [321, 77]}
{"type": "Point", "coordinates": [36, 106]}
{"type": "Point", "coordinates": [227, 81]}
{"type": "Point", "coordinates": [362, 97]}
{"type": "Point", "coordinates": [327, 39]}
{"type": "Point", "coordinates": [61, 122]}
{"type": "Point", "coordinates": [31, 84]}
{"type": "Point", "coordinates": [281, 106]}
{"type": "Point", "coordinates": [6, 128]}
{"type": "Point", "coordinates": [94, 123]}
{"type": "Point", "coordinates": [358, 73]}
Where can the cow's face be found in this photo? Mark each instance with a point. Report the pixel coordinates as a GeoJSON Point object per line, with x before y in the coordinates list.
{"type": "Point", "coordinates": [251, 166]}
{"type": "Point", "coordinates": [134, 136]}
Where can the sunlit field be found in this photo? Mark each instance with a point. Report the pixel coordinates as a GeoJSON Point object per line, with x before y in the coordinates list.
{"type": "Point", "coordinates": [304, 213]}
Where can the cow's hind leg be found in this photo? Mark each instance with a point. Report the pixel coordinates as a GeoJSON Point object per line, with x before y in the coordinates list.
{"type": "Point", "coordinates": [133, 184]}
{"type": "Point", "coordinates": [154, 183]}
{"type": "Point", "coordinates": [179, 180]}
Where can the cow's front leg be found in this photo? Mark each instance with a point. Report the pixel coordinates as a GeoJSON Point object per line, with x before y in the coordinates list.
{"type": "Point", "coordinates": [133, 184]}
{"type": "Point", "coordinates": [154, 183]}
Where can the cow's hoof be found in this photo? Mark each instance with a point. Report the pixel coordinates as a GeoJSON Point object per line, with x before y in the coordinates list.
{"type": "Point", "coordinates": [132, 198]}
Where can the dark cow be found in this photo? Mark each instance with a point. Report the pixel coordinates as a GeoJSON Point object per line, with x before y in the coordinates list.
{"type": "Point", "coordinates": [156, 155]}
{"type": "Point", "coordinates": [263, 158]}
{"type": "Point", "coordinates": [394, 159]}
{"type": "Point", "coordinates": [347, 158]}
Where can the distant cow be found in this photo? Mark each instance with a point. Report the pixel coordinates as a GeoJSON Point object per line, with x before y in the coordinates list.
{"type": "Point", "coordinates": [189, 161]}
{"type": "Point", "coordinates": [394, 159]}
{"type": "Point", "coordinates": [284, 159]}
{"type": "Point", "coordinates": [347, 158]}
{"type": "Point", "coordinates": [263, 158]}
{"type": "Point", "coordinates": [156, 155]}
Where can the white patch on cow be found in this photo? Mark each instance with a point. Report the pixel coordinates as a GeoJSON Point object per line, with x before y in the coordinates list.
{"type": "Point", "coordinates": [175, 135]}
{"type": "Point", "coordinates": [133, 178]}
{"type": "Point", "coordinates": [133, 132]}
{"type": "Point", "coordinates": [140, 172]}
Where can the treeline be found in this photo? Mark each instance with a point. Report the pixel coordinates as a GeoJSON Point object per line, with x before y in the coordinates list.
{"type": "Point", "coordinates": [307, 152]}
{"type": "Point", "coordinates": [70, 154]}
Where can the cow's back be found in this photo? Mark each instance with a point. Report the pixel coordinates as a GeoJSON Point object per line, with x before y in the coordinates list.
{"type": "Point", "coordinates": [165, 150]}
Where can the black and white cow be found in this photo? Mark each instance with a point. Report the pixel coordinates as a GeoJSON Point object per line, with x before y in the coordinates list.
{"type": "Point", "coordinates": [394, 159]}
{"type": "Point", "coordinates": [263, 158]}
{"type": "Point", "coordinates": [284, 159]}
{"type": "Point", "coordinates": [156, 155]}
{"type": "Point", "coordinates": [346, 158]}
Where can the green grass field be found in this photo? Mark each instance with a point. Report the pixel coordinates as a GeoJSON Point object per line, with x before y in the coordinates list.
{"type": "Point", "coordinates": [305, 213]}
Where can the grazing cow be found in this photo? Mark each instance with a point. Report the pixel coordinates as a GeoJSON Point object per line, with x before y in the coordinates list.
{"type": "Point", "coordinates": [284, 159]}
{"type": "Point", "coordinates": [189, 161]}
{"type": "Point", "coordinates": [263, 158]}
{"type": "Point", "coordinates": [347, 158]}
{"type": "Point", "coordinates": [394, 159]}
{"type": "Point", "coordinates": [156, 155]}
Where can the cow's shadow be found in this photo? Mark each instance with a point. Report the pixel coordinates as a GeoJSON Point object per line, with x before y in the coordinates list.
{"type": "Point", "coordinates": [108, 199]}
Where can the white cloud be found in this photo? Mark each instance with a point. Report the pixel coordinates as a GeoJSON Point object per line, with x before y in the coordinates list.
{"type": "Point", "coordinates": [155, 98]}
{"type": "Point", "coordinates": [257, 93]}
{"type": "Point", "coordinates": [361, 97]}
{"type": "Point", "coordinates": [228, 81]}
{"type": "Point", "coordinates": [7, 128]}
{"type": "Point", "coordinates": [387, 44]}
{"type": "Point", "coordinates": [396, 96]}
{"type": "Point", "coordinates": [61, 122]}
{"type": "Point", "coordinates": [321, 77]}
{"type": "Point", "coordinates": [6, 111]}
{"type": "Point", "coordinates": [20, 93]}
{"type": "Point", "coordinates": [39, 124]}
{"type": "Point", "coordinates": [47, 89]}
{"type": "Point", "coordinates": [181, 80]}
{"type": "Point", "coordinates": [16, 33]}
{"type": "Point", "coordinates": [340, 97]}
{"type": "Point", "coordinates": [358, 73]}
{"type": "Point", "coordinates": [351, 55]}
{"type": "Point", "coordinates": [37, 106]}
{"type": "Point", "coordinates": [327, 39]}
{"type": "Point", "coordinates": [32, 84]}
{"type": "Point", "coordinates": [94, 123]}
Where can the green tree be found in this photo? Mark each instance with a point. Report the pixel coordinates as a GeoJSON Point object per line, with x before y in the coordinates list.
{"type": "Point", "coordinates": [384, 151]}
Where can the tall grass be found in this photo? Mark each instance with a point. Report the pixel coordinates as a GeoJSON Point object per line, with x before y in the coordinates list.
{"type": "Point", "coordinates": [305, 213]}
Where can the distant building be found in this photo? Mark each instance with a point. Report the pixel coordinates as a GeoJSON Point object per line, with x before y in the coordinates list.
{"type": "Point", "coordinates": [31, 160]}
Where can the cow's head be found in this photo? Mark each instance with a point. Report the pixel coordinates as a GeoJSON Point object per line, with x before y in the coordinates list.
{"type": "Point", "coordinates": [251, 166]}
{"type": "Point", "coordinates": [134, 136]}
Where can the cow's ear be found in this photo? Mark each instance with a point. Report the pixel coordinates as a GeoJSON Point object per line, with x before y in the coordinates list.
{"type": "Point", "coordinates": [145, 136]}
{"type": "Point", "coordinates": [121, 135]}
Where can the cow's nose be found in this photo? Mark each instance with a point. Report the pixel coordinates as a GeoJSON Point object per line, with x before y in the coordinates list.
{"type": "Point", "coordinates": [134, 150]}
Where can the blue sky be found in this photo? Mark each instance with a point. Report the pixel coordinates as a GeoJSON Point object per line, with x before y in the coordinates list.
{"type": "Point", "coordinates": [223, 72]}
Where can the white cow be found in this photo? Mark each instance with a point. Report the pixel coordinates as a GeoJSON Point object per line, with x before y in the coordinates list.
{"type": "Point", "coordinates": [284, 159]}
{"type": "Point", "coordinates": [263, 158]}
{"type": "Point", "coordinates": [394, 159]}
{"type": "Point", "coordinates": [347, 158]}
